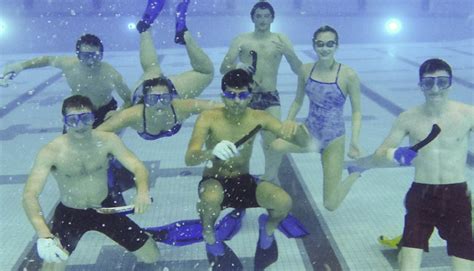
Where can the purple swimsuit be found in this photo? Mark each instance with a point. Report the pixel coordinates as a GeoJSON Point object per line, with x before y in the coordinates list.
{"type": "Point", "coordinates": [325, 119]}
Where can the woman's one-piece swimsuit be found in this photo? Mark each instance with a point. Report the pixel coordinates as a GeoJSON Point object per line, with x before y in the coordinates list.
{"type": "Point", "coordinates": [325, 119]}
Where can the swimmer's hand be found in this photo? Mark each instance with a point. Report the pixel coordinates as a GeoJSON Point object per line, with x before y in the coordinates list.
{"type": "Point", "coordinates": [281, 47]}
{"type": "Point", "coordinates": [403, 155]}
{"type": "Point", "coordinates": [354, 151]}
{"type": "Point", "coordinates": [50, 250]}
{"type": "Point", "coordinates": [289, 128]}
{"type": "Point", "coordinates": [141, 202]}
{"type": "Point", "coordinates": [225, 150]}
{"type": "Point", "coordinates": [248, 68]}
{"type": "Point", "coordinates": [12, 69]}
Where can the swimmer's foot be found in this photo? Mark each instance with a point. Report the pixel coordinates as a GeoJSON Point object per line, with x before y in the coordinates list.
{"type": "Point", "coordinates": [355, 169]}
{"type": "Point", "coordinates": [181, 11]}
{"type": "Point", "coordinates": [152, 11]}
{"type": "Point", "coordinates": [267, 249]}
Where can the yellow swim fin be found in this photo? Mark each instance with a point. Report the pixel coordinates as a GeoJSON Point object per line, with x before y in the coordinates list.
{"type": "Point", "coordinates": [391, 243]}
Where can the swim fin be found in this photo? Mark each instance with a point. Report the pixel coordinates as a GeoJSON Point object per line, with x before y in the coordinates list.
{"type": "Point", "coordinates": [152, 11]}
{"type": "Point", "coordinates": [180, 233]}
{"type": "Point", "coordinates": [291, 227]}
{"type": "Point", "coordinates": [264, 257]}
{"type": "Point", "coordinates": [225, 262]}
{"type": "Point", "coordinates": [181, 10]}
{"type": "Point", "coordinates": [390, 243]}
{"type": "Point", "coordinates": [229, 225]}
{"type": "Point", "coordinates": [186, 232]}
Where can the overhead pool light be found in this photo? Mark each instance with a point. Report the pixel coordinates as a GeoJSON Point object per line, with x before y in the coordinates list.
{"type": "Point", "coordinates": [393, 26]}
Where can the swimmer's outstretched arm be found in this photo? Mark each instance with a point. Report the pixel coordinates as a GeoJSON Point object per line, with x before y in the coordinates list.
{"type": "Point", "coordinates": [300, 138]}
{"type": "Point", "coordinates": [289, 52]}
{"type": "Point", "coordinates": [289, 125]}
{"type": "Point", "coordinates": [195, 154]}
{"type": "Point", "coordinates": [120, 120]}
{"type": "Point", "coordinates": [33, 188]}
{"type": "Point", "coordinates": [130, 161]}
{"type": "Point", "coordinates": [190, 107]}
{"type": "Point", "coordinates": [37, 62]}
{"type": "Point", "coordinates": [394, 138]}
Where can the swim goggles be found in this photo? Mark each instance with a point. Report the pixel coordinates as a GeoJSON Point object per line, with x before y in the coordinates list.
{"type": "Point", "coordinates": [72, 120]}
{"type": "Point", "coordinates": [442, 82]}
{"type": "Point", "coordinates": [233, 95]}
{"type": "Point", "coordinates": [161, 99]}
{"type": "Point", "coordinates": [329, 44]}
{"type": "Point", "coordinates": [97, 55]}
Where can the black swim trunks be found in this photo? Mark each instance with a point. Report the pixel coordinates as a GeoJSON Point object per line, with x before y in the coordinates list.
{"type": "Point", "coordinates": [70, 224]}
{"type": "Point", "coordinates": [446, 207]}
{"type": "Point", "coordinates": [264, 100]}
{"type": "Point", "coordinates": [239, 191]}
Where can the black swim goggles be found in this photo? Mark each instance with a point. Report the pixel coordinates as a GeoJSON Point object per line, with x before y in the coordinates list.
{"type": "Point", "coordinates": [442, 82]}
{"type": "Point", "coordinates": [162, 99]}
{"type": "Point", "coordinates": [85, 56]}
{"type": "Point", "coordinates": [73, 120]}
{"type": "Point", "coordinates": [233, 95]}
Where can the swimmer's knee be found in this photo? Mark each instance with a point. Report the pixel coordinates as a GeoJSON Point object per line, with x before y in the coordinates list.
{"type": "Point", "coordinates": [331, 202]}
{"type": "Point", "coordinates": [148, 253]}
{"type": "Point", "coordinates": [210, 193]}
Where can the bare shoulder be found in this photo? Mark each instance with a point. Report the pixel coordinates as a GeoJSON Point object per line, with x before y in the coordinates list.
{"type": "Point", "coordinates": [66, 62]}
{"type": "Point", "coordinates": [106, 138]}
{"type": "Point", "coordinates": [110, 71]}
{"type": "Point", "coordinates": [260, 115]}
{"type": "Point", "coordinates": [210, 115]}
{"type": "Point", "coordinates": [410, 114]}
{"type": "Point", "coordinates": [462, 107]}
{"type": "Point", "coordinates": [348, 72]}
{"type": "Point", "coordinates": [306, 69]}
{"type": "Point", "coordinates": [54, 147]}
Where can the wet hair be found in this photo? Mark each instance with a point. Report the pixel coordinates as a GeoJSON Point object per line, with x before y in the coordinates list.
{"type": "Point", "coordinates": [238, 79]}
{"type": "Point", "coordinates": [262, 5]}
{"type": "Point", "coordinates": [76, 101]}
{"type": "Point", "coordinates": [325, 28]}
{"type": "Point", "coordinates": [158, 81]}
{"type": "Point", "coordinates": [91, 40]}
{"type": "Point", "coordinates": [434, 64]}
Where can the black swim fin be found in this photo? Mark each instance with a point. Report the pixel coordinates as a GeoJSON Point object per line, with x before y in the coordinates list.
{"type": "Point", "coordinates": [227, 262]}
{"type": "Point", "coordinates": [264, 257]}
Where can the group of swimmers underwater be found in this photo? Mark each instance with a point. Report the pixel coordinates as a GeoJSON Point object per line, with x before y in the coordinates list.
{"type": "Point", "coordinates": [89, 161]}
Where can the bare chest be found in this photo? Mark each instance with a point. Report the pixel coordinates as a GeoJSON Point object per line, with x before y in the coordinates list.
{"type": "Point", "coordinates": [81, 164]}
{"type": "Point", "coordinates": [88, 83]}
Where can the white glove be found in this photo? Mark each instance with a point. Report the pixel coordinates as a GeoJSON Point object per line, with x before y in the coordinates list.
{"type": "Point", "coordinates": [225, 150]}
{"type": "Point", "coordinates": [50, 250]}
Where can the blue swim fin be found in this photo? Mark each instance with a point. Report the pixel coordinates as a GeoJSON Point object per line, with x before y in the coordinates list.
{"type": "Point", "coordinates": [180, 233]}
{"type": "Point", "coordinates": [292, 227]}
{"type": "Point", "coordinates": [152, 11]}
{"type": "Point", "coordinates": [229, 225]}
{"type": "Point", "coordinates": [181, 11]}
{"type": "Point", "coordinates": [186, 232]}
